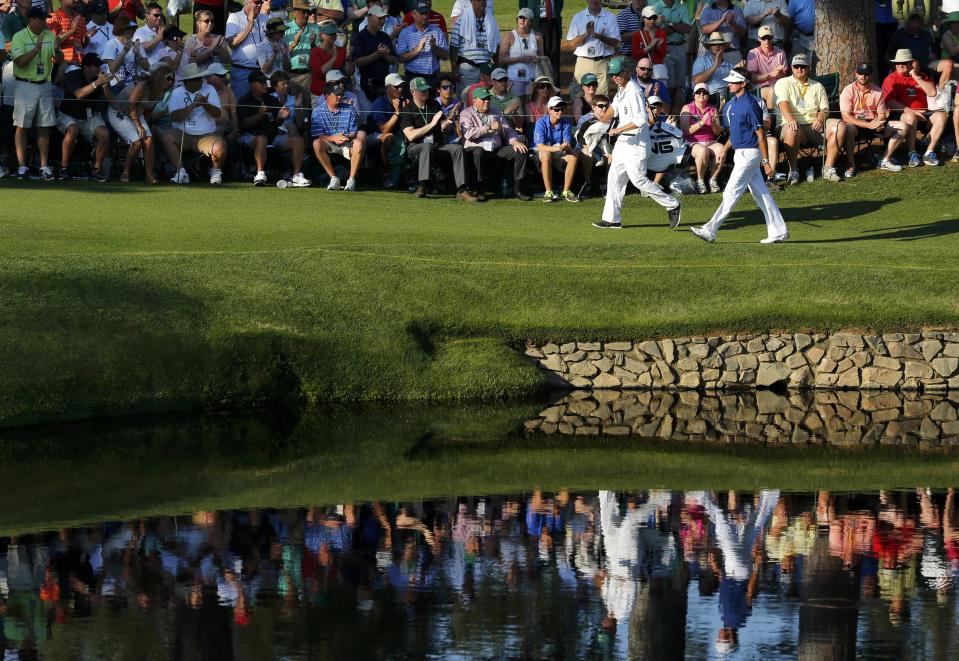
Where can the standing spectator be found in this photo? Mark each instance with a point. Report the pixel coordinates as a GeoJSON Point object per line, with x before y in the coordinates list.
{"type": "Point", "coordinates": [474, 41]}
{"type": "Point", "coordinates": [865, 114]}
{"type": "Point", "coordinates": [150, 34]}
{"type": "Point", "coordinates": [594, 36]}
{"type": "Point", "coordinates": [553, 145]}
{"type": "Point", "coordinates": [421, 46]}
{"type": "Point", "coordinates": [766, 64]}
{"type": "Point", "coordinates": [34, 54]}
{"type": "Point", "coordinates": [803, 14]}
{"type": "Point", "coordinates": [391, 24]}
{"type": "Point", "coordinates": [373, 53]}
{"type": "Point", "coordinates": [334, 130]}
{"type": "Point", "coordinates": [81, 114]}
{"type": "Point", "coordinates": [244, 30]}
{"type": "Point", "coordinates": [649, 40]}
{"type": "Point", "coordinates": [300, 36]}
{"type": "Point", "coordinates": [650, 86]}
{"type": "Point", "coordinates": [804, 107]}
{"type": "Point", "coordinates": [130, 114]}
{"type": "Point", "coordinates": [273, 54]}
{"type": "Point", "coordinates": [325, 56]}
{"type": "Point", "coordinates": [673, 16]}
{"type": "Point", "coordinates": [886, 24]}
{"type": "Point", "coordinates": [425, 133]}
{"type": "Point", "coordinates": [489, 140]}
{"type": "Point", "coordinates": [99, 30]}
{"type": "Point", "coordinates": [712, 67]}
{"type": "Point", "coordinates": [262, 120]}
{"type": "Point", "coordinates": [123, 56]}
{"type": "Point", "coordinates": [726, 18]}
{"type": "Point", "coordinates": [328, 10]}
{"type": "Point", "coordinates": [548, 22]}
{"type": "Point", "coordinates": [218, 17]}
{"type": "Point", "coordinates": [772, 14]}
{"type": "Point", "coordinates": [503, 100]}
{"type": "Point", "coordinates": [701, 126]}
{"type": "Point", "coordinates": [907, 90]}
{"type": "Point", "coordinates": [194, 109]}
{"type": "Point", "coordinates": [582, 105]}
{"type": "Point", "coordinates": [432, 17]}
{"type": "Point", "coordinates": [919, 41]}
{"type": "Point", "coordinates": [630, 21]}
{"type": "Point", "coordinates": [206, 46]}
{"type": "Point", "coordinates": [171, 50]}
{"type": "Point", "coordinates": [68, 25]}
{"type": "Point", "coordinates": [520, 51]}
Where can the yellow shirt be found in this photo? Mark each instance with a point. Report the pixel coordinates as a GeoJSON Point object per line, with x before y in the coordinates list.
{"type": "Point", "coordinates": [40, 67]}
{"type": "Point", "coordinates": [806, 100]}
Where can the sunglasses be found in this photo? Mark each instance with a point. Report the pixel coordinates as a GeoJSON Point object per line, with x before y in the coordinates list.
{"type": "Point", "coordinates": [656, 105]}
{"type": "Point", "coordinates": [543, 85]}
{"type": "Point", "coordinates": [602, 106]}
{"type": "Point", "coordinates": [447, 87]}
{"type": "Point", "coordinates": [157, 15]}
{"type": "Point", "coordinates": [766, 38]}
{"type": "Point", "coordinates": [800, 66]}
{"type": "Point", "coordinates": [205, 20]}
{"type": "Point", "coordinates": [651, 18]}
{"type": "Point", "coordinates": [558, 109]}
{"type": "Point", "coordinates": [643, 69]}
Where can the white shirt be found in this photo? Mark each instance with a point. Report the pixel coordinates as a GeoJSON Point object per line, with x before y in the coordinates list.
{"type": "Point", "coordinates": [948, 6]}
{"type": "Point", "coordinates": [245, 52]}
{"type": "Point", "coordinates": [98, 40]}
{"type": "Point", "coordinates": [146, 34]}
{"type": "Point", "coordinates": [198, 122]}
{"type": "Point", "coordinates": [757, 7]}
{"type": "Point", "coordinates": [127, 71]}
{"type": "Point", "coordinates": [604, 23]}
{"type": "Point", "coordinates": [629, 105]}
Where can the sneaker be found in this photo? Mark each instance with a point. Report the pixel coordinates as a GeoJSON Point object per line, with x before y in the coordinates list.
{"type": "Point", "coordinates": [388, 182]}
{"type": "Point", "coordinates": [3, 172]}
{"type": "Point", "coordinates": [701, 187]}
{"type": "Point", "coordinates": [830, 174]}
{"type": "Point", "coordinates": [850, 173]}
{"type": "Point", "coordinates": [955, 159]}
{"type": "Point", "coordinates": [889, 165]}
{"type": "Point", "coordinates": [775, 239]}
{"type": "Point", "coordinates": [23, 172]}
{"type": "Point", "coordinates": [779, 177]}
{"type": "Point", "coordinates": [931, 159]}
{"type": "Point", "coordinates": [714, 186]}
{"type": "Point", "coordinates": [46, 173]}
{"type": "Point", "coordinates": [569, 196]}
{"type": "Point", "coordinates": [260, 178]}
{"type": "Point", "coordinates": [350, 185]}
{"type": "Point", "coordinates": [465, 196]}
{"type": "Point", "coordinates": [523, 197]}
{"type": "Point", "coordinates": [675, 215]}
{"type": "Point", "coordinates": [334, 183]}
{"type": "Point", "coordinates": [299, 181]}
{"type": "Point", "coordinates": [181, 177]}
{"type": "Point", "coordinates": [549, 196]}
{"type": "Point", "coordinates": [216, 177]}
{"type": "Point", "coordinates": [64, 174]}
{"type": "Point", "coordinates": [914, 160]}
{"type": "Point", "coordinates": [606, 225]}
{"type": "Point", "coordinates": [99, 175]}
{"type": "Point", "coordinates": [703, 234]}
{"type": "Point", "coordinates": [792, 178]}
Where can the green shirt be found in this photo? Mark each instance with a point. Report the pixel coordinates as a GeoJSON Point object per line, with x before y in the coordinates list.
{"type": "Point", "coordinates": [39, 68]}
{"type": "Point", "coordinates": [12, 24]}
{"type": "Point", "coordinates": [676, 14]}
{"type": "Point", "coordinates": [300, 56]}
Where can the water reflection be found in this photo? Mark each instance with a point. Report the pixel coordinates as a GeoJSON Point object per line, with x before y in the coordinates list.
{"type": "Point", "coordinates": [840, 418]}
{"type": "Point", "coordinates": [645, 574]}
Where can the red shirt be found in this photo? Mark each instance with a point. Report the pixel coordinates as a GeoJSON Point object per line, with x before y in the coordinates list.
{"type": "Point", "coordinates": [434, 19]}
{"type": "Point", "coordinates": [319, 57]}
{"type": "Point", "coordinates": [129, 7]}
{"type": "Point", "coordinates": [905, 90]}
{"type": "Point", "coordinates": [641, 38]}
{"type": "Point", "coordinates": [72, 46]}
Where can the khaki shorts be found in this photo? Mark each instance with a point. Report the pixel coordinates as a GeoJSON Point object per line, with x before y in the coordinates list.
{"type": "Point", "coordinates": [125, 127]}
{"type": "Point", "coordinates": [87, 127]}
{"type": "Point", "coordinates": [806, 135]}
{"type": "Point", "coordinates": [202, 144]}
{"type": "Point", "coordinates": [340, 150]}
{"type": "Point", "coordinates": [33, 105]}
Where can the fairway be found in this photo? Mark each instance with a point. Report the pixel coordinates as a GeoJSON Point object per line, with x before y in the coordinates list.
{"type": "Point", "coordinates": [124, 299]}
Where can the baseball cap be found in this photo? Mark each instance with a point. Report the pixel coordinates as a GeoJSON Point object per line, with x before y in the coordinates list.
{"type": "Point", "coordinates": [216, 69]}
{"type": "Point", "coordinates": [377, 11]}
{"type": "Point", "coordinates": [864, 69]}
{"type": "Point", "coordinates": [800, 59]}
{"type": "Point", "coordinates": [255, 76]}
{"type": "Point", "coordinates": [422, 8]}
{"type": "Point", "coordinates": [616, 66]}
{"type": "Point", "coordinates": [526, 13]}
{"type": "Point", "coordinates": [735, 77]}
{"type": "Point", "coordinates": [394, 80]}
{"type": "Point", "coordinates": [420, 85]}
{"type": "Point", "coordinates": [275, 24]}
{"type": "Point", "coordinates": [700, 86]}
{"type": "Point", "coordinates": [98, 7]}
{"type": "Point", "coordinates": [555, 101]}
{"type": "Point", "coordinates": [334, 75]}
{"type": "Point", "coordinates": [327, 27]}
{"type": "Point", "coordinates": [654, 101]}
{"type": "Point", "coordinates": [487, 68]}
{"type": "Point", "coordinates": [649, 12]}
{"type": "Point", "coordinates": [588, 79]}
{"type": "Point", "coordinates": [482, 93]}
{"type": "Point", "coordinates": [91, 60]}
{"type": "Point", "coordinates": [499, 74]}
{"type": "Point", "coordinates": [765, 31]}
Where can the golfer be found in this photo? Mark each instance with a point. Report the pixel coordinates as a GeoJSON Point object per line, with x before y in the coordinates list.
{"type": "Point", "coordinates": [744, 119]}
{"type": "Point", "coordinates": [629, 153]}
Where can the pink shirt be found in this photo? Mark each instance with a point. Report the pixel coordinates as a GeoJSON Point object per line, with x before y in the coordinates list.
{"type": "Point", "coordinates": [862, 104]}
{"type": "Point", "coordinates": [704, 134]}
{"type": "Point", "coordinates": [757, 62]}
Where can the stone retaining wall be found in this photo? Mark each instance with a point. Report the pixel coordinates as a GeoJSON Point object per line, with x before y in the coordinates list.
{"type": "Point", "coordinates": [926, 361]}
{"type": "Point", "coordinates": [849, 419]}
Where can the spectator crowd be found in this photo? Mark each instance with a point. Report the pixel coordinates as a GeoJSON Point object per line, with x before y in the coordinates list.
{"type": "Point", "coordinates": [402, 96]}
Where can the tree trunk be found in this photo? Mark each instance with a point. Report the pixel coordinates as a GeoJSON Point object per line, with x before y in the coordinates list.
{"type": "Point", "coordinates": [845, 36]}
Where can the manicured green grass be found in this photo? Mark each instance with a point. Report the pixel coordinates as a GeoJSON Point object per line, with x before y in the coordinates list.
{"type": "Point", "coordinates": [123, 299]}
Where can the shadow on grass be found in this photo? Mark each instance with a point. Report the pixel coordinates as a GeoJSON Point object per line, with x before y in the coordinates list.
{"type": "Point", "coordinates": [813, 213]}
{"type": "Point", "coordinates": [905, 233]}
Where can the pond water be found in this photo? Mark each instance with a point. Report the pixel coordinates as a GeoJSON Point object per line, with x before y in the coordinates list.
{"type": "Point", "coordinates": [676, 527]}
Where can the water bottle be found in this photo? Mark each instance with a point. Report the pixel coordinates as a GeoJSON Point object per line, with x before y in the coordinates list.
{"type": "Point", "coordinates": [282, 183]}
{"type": "Point", "coordinates": [810, 175]}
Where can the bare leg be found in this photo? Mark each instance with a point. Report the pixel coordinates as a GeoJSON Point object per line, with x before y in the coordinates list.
{"type": "Point", "coordinates": [356, 155]}
{"type": "Point", "coordinates": [546, 167]}
{"type": "Point", "coordinates": [43, 145]}
{"type": "Point", "coordinates": [69, 142]}
{"type": "Point", "coordinates": [570, 171]}
{"type": "Point", "coordinates": [323, 156]}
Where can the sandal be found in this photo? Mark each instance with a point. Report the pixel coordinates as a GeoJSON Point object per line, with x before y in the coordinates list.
{"type": "Point", "coordinates": [125, 178]}
{"type": "Point", "coordinates": [151, 180]}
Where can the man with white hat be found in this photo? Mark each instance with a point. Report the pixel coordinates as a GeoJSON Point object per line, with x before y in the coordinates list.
{"type": "Point", "coordinates": [907, 90]}
{"type": "Point", "coordinates": [629, 153]}
{"type": "Point", "coordinates": [742, 115]}
{"type": "Point", "coordinates": [553, 144]}
{"type": "Point", "coordinates": [194, 108]}
{"type": "Point", "coordinates": [712, 67]}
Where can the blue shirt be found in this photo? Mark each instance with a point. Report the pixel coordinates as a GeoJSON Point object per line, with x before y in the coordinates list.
{"type": "Point", "coordinates": [884, 13]}
{"type": "Point", "coordinates": [742, 116]}
{"type": "Point", "coordinates": [426, 63]}
{"type": "Point", "coordinates": [380, 113]}
{"type": "Point", "coordinates": [712, 13]}
{"type": "Point", "coordinates": [657, 88]}
{"type": "Point", "coordinates": [546, 134]}
{"type": "Point", "coordinates": [340, 120]}
{"type": "Point", "coordinates": [804, 15]}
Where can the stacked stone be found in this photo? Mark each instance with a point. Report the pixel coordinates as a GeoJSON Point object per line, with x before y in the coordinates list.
{"type": "Point", "coordinates": [920, 361]}
{"type": "Point", "coordinates": [836, 418]}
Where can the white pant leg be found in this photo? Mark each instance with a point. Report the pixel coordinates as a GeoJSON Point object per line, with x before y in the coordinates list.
{"type": "Point", "coordinates": [616, 182]}
{"type": "Point", "coordinates": [745, 164]}
{"type": "Point", "coordinates": [775, 225]}
{"type": "Point", "coordinates": [636, 168]}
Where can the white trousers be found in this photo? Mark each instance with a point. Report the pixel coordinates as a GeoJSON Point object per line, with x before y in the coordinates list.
{"type": "Point", "coordinates": [629, 165]}
{"type": "Point", "coordinates": [747, 173]}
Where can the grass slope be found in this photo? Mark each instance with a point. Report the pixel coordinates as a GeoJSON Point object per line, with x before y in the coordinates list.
{"type": "Point", "coordinates": [124, 300]}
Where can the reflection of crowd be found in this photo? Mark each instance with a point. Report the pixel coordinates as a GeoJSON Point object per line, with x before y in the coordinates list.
{"type": "Point", "coordinates": [614, 557]}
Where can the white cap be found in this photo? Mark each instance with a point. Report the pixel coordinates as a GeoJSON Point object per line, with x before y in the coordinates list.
{"type": "Point", "coordinates": [648, 11]}
{"type": "Point", "coordinates": [394, 80]}
{"type": "Point", "coordinates": [334, 75]}
{"type": "Point", "coordinates": [654, 101]}
{"type": "Point", "coordinates": [555, 101]}
{"type": "Point", "coordinates": [499, 74]}
{"type": "Point", "coordinates": [700, 86]}
{"type": "Point", "coordinates": [735, 77]}
{"type": "Point", "coordinates": [526, 13]}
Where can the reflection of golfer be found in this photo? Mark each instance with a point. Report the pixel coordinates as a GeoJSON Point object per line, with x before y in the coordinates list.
{"type": "Point", "coordinates": [629, 154]}
{"type": "Point", "coordinates": [744, 118]}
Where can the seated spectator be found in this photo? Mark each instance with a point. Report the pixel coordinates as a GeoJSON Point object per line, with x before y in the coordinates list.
{"type": "Point", "coordinates": [711, 67]}
{"type": "Point", "coordinates": [804, 106]}
{"type": "Point", "coordinates": [701, 126]}
{"type": "Point", "coordinates": [421, 46]}
{"type": "Point", "coordinates": [194, 109]}
{"type": "Point", "coordinates": [326, 56]}
{"type": "Point", "coordinates": [425, 132]}
{"type": "Point", "coordinates": [485, 81]}
{"type": "Point", "coordinates": [334, 127]}
{"type": "Point", "coordinates": [122, 55]}
{"type": "Point", "coordinates": [648, 84]}
{"type": "Point", "coordinates": [503, 100]}
{"type": "Point", "coordinates": [81, 114]}
{"type": "Point", "coordinates": [273, 54]}
{"type": "Point", "coordinates": [451, 106]}
{"type": "Point", "coordinates": [262, 120]}
{"type": "Point", "coordinates": [907, 90]}
{"type": "Point", "coordinates": [227, 124]}
{"type": "Point", "coordinates": [131, 113]}
{"type": "Point", "coordinates": [553, 145]}
{"type": "Point", "coordinates": [68, 25]}
{"type": "Point", "coordinates": [543, 90]}
{"type": "Point", "coordinates": [474, 41]}
{"type": "Point", "coordinates": [919, 41]}
{"type": "Point", "coordinates": [593, 147]}
{"type": "Point", "coordinates": [766, 64]}
{"type": "Point", "coordinates": [384, 124]}
{"type": "Point", "coordinates": [950, 37]}
{"type": "Point", "coordinates": [296, 121]}
{"type": "Point", "coordinates": [649, 41]}
{"type": "Point", "coordinates": [520, 51]}
{"type": "Point", "coordinates": [865, 114]}
{"type": "Point", "coordinates": [489, 140]}
{"type": "Point", "coordinates": [582, 105]}
{"type": "Point", "coordinates": [373, 53]}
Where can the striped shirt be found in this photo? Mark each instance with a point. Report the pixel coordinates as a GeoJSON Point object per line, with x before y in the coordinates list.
{"type": "Point", "coordinates": [628, 21]}
{"type": "Point", "coordinates": [425, 62]}
{"type": "Point", "coordinates": [340, 121]}
{"type": "Point", "coordinates": [474, 51]}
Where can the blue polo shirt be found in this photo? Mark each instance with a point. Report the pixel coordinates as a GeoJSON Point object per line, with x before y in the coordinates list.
{"type": "Point", "coordinates": [742, 116]}
{"type": "Point", "coordinates": [546, 134]}
{"type": "Point", "coordinates": [803, 13]}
